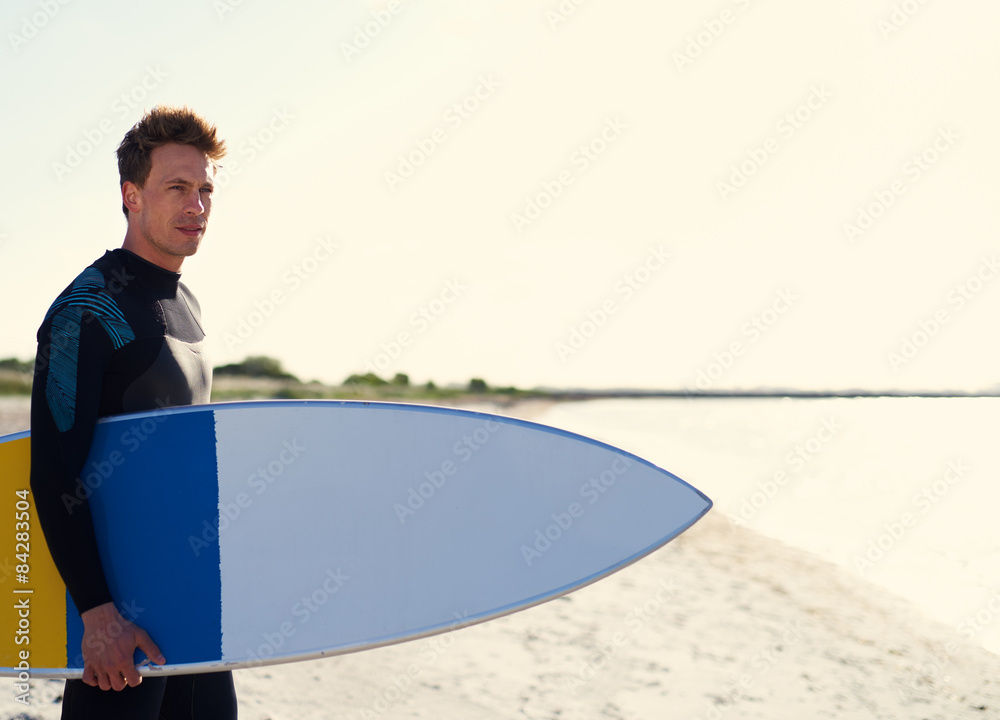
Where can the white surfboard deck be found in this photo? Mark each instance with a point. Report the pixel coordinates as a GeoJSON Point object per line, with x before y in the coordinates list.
{"type": "Point", "coordinates": [250, 533]}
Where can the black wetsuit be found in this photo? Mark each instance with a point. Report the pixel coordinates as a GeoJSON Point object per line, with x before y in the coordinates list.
{"type": "Point", "coordinates": [125, 336]}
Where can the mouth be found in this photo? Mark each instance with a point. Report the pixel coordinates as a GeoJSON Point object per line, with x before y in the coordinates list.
{"type": "Point", "coordinates": [191, 231]}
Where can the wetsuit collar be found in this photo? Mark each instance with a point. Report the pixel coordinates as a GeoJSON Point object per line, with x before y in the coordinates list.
{"type": "Point", "coordinates": [162, 282]}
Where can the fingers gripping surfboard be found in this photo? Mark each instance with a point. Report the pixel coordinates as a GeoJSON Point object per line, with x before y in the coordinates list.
{"type": "Point", "coordinates": [249, 533]}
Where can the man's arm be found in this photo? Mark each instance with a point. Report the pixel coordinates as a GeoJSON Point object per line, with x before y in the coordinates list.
{"type": "Point", "coordinates": [73, 353]}
{"type": "Point", "coordinates": [65, 402]}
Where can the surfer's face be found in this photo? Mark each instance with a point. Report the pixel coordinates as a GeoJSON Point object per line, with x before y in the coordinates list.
{"type": "Point", "coordinates": [171, 210]}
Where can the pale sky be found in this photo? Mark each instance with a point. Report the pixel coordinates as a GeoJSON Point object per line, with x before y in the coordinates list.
{"type": "Point", "coordinates": [576, 194]}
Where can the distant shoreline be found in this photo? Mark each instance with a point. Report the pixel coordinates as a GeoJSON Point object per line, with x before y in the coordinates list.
{"type": "Point", "coordinates": [249, 388]}
{"type": "Point", "coordinates": [232, 388]}
{"type": "Point", "coordinates": [807, 394]}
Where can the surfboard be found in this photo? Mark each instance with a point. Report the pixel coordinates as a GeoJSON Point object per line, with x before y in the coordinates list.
{"type": "Point", "coordinates": [249, 533]}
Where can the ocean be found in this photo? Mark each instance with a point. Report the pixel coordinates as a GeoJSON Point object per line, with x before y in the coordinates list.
{"type": "Point", "coordinates": [903, 492]}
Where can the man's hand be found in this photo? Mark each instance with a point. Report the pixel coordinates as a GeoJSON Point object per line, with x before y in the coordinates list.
{"type": "Point", "coordinates": [109, 642]}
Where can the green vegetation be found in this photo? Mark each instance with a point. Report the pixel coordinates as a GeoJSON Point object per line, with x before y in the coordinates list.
{"type": "Point", "coordinates": [262, 377]}
{"type": "Point", "coordinates": [369, 379]}
{"type": "Point", "coordinates": [19, 366]}
{"type": "Point", "coordinates": [13, 384]}
{"type": "Point", "coordinates": [256, 366]}
{"type": "Point", "coordinates": [15, 376]}
{"type": "Point", "coordinates": [478, 386]}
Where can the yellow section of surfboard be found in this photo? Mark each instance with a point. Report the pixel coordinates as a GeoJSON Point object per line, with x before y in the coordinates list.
{"type": "Point", "coordinates": [32, 595]}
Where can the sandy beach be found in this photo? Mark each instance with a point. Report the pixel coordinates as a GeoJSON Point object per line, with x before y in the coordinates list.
{"type": "Point", "coordinates": [721, 623]}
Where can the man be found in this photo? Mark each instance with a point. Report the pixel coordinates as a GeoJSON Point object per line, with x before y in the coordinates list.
{"type": "Point", "coordinates": [125, 336]}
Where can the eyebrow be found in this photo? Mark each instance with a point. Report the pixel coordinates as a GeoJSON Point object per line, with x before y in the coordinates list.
{"type": "Point", "coordinates": [187, 183]}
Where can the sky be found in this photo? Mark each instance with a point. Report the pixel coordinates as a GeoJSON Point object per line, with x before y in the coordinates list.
{"type": "Point", "coordinates": [564, 193]}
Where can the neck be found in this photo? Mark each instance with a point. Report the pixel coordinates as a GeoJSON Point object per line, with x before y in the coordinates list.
{"type": "Point", "coordinates": [134, 242]}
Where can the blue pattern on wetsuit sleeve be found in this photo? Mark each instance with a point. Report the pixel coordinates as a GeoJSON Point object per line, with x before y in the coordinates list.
{"type": "Point", "coordinates": [87, 295]}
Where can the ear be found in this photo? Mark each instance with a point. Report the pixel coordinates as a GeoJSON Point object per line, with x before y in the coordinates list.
{"type": "Point", "coordinates": [131, 196]}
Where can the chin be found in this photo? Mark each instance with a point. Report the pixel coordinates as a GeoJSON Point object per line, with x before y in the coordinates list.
{"type": "Point", "coordinates": [188, 248]}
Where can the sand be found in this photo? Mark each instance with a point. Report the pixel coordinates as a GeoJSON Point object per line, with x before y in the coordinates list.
{"type": "Point", "coordinates": [721, 623]}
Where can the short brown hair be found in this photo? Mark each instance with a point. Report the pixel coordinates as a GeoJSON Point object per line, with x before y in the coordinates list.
{"type": "Point", "coordinates": [160, 126]}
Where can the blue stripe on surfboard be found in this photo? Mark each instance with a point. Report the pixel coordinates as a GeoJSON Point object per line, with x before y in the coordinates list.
{"type": "Point", "coordinates": [144, 584]}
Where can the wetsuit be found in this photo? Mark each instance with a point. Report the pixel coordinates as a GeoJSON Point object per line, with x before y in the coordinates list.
{"type": "Point", "coordinates": [125, 336]}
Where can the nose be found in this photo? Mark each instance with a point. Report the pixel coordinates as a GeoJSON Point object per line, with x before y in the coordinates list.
{"type": "Point", "coordinates": [194, 204]}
